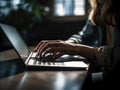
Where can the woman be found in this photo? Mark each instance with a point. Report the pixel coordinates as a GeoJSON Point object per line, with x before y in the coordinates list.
{"type": "Point", "coordinates": [98, 41]}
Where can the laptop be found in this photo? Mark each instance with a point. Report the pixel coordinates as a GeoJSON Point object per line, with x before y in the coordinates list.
{"type": "Point", "coordinates": [65, 62]}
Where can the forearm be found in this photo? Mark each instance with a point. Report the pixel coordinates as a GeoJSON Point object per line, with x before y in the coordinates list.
{"type": "Point", "coordinates": [85, 51]}
{"type": "Point", "coordinates": [82, 50]}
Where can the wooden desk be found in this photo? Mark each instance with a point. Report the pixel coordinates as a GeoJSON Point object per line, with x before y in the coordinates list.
{"type": "Point", "coordinates": [14, 77]}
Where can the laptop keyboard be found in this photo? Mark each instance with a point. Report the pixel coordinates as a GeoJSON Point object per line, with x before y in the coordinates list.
{"type": "Point", "coordinates": [36, 62]}
{"type": "Point", "coordinates": [32, 61]}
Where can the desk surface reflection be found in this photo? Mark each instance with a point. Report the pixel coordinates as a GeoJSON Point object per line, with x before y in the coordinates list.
{"type": "Point", "coordinates": [14, 77]}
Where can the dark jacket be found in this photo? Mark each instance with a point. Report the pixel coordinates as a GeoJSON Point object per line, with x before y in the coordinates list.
{"type": "Point", "coordinates": [94, 36]}
{"type": "Point", "coordinates": [108, 58]}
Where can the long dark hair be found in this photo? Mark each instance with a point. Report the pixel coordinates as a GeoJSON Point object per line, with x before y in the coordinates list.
{"type": "Point", "coordinates": [104, 11]}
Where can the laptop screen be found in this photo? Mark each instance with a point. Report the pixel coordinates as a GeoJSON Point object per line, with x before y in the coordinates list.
{"type": "Point", "coordinates": [16, 40]}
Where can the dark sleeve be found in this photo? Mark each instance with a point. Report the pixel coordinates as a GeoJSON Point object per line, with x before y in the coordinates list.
{"type": "Point", "coordinates": [87, 36]}
{"type": "Point", "coordinates": [108, 57]}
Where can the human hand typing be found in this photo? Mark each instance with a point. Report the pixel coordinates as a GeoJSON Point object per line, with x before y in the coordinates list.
{"type": "Point", "coordinates": [56, 47]}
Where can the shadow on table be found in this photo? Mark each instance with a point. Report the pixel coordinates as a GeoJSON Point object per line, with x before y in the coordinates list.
{"type": "Point", "coordinates": [11, 67]}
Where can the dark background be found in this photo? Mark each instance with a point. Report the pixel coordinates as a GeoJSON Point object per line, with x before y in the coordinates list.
{"type": "Point", "coordinates": [35, 27]}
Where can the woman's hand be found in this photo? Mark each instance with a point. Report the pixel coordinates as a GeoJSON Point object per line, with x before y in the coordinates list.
{"type": "Point", "coordinates": [57, 47]}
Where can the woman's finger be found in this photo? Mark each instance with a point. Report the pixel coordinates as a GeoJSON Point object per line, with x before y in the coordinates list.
{"type": "Point", "coordinates": [45, 46]}
{"type": "Point", "coordinates": [57, 54]}
{"type": "Point", "coordinates": [36, 48]}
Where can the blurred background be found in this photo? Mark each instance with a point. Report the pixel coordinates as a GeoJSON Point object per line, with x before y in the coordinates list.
{"type": "Point", "coordinates": [38, 20]}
